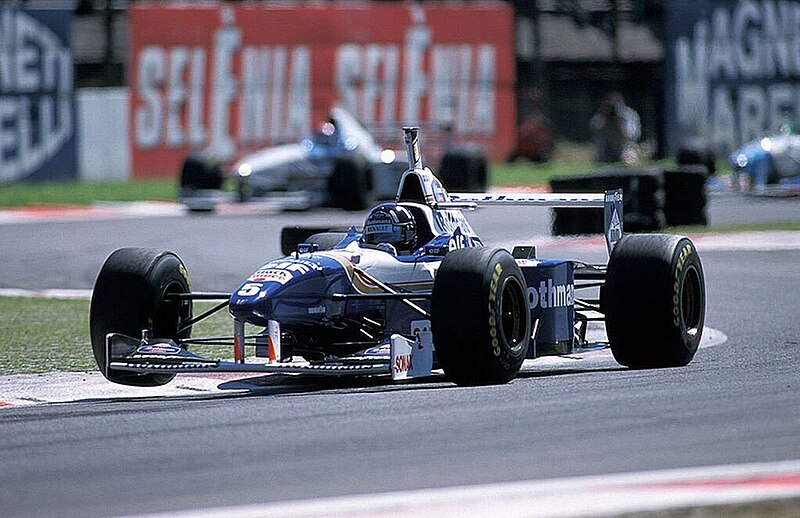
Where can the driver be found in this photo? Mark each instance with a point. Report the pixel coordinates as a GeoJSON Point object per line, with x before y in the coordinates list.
{"type": "Point", "coordinates": [327, 134]}
{"type": "Point", "coordinates": [391, 227]}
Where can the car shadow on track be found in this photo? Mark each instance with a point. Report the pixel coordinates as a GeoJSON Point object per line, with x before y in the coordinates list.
{"type": "Point", "coordinates": [561, 372]}
{"type": "Point", "coordinates": [287, 385]}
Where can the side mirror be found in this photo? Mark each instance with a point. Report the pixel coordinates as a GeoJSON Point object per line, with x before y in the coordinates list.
{"type": "Point", "coordinates": [307, 248]}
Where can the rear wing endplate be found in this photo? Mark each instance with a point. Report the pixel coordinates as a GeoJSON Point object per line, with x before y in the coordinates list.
{"type": "Point", "coordinates": [612, 218]}
{"type": "Point", "coordinates": [609, 201]}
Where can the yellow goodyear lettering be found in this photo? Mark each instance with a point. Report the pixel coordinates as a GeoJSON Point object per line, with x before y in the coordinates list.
{"type": "Point", "coordinates": [185, 274]}
{"type": "Point", "coordinates": [676, 286]}
{"type": "Point", "coordinates": [498, 270]}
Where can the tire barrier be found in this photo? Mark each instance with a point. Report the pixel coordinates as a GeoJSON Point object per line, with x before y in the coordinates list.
{"type": "Point", "coordinates": [573, 221]}
{"type": "Point", "coordinates": [643, 201]}
{"type": "Point", "coordinates": [697, 152]}
{"type": "Point", "coordinates": [685, 195]}
{"type": "Point", "coordinates": [464, 170]}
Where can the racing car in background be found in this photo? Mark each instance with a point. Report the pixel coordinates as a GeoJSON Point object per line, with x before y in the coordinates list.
{"type": "Point", "coordinates": [771, 163]}
{"type": "Point", "coordinates": [412, 291]}
{"type": "Point", "coordinates": [340, 165]}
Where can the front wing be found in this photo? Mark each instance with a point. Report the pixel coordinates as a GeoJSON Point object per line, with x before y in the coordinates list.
{"type": "Point", "coordinates": [399, 357]}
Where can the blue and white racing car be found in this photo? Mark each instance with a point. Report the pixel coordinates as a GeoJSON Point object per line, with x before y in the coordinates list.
{"type": "Point", "coordinates": [413, 291]}
{"type": "Point", "coordinates": [769, 165]}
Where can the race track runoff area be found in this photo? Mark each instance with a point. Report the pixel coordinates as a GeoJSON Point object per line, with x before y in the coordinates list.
{"type": "Point", "coordinates": [745, 490]}
{"type": "Point", "coordinates": [763, 489]}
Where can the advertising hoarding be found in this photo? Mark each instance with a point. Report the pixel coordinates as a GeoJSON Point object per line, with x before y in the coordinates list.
{"type": "Point", "coordinates": [733, 69]}
{"type": "Point", "coordinates": [233, 78]}
{"type": "Point", "coordinates": [37, 109]}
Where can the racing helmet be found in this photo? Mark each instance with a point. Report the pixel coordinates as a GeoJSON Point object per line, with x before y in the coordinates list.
{"type": "Point", "coordinates": [392, 224]}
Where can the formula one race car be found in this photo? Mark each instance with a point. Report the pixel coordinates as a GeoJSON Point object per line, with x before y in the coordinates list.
{"type": "Point", "coordinates": [769, 164]}
{"type": "Point", "coordinates": [412, 292]}
{"type": "Point", "coordinates": [340, 165]}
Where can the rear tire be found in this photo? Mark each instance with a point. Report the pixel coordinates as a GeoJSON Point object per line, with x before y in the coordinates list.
{"type": "Point", "coordinates": [479, 316]}
{"type": "Point", "coordinates": [349, 185]}
{"type": "Point", "coordinates": [464, 170]}
{"type": "Point", "coordinates": [200, 173]}
{"type": "Point", "coordinates": [654, 301]}
{"type": "Point", "coordinates": [128, 297]}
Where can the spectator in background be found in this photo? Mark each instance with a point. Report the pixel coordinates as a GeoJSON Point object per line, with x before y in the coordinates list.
{"type": "Point", "coordinates": [615, 130]}
{"type": "Point", "coordinates": [535, 138]}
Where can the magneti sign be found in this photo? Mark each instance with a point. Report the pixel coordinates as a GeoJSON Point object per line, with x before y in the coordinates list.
{"type": "Point", "coordinates": [37, 123]}
{"type": "Point", "coordinates": [733, 69]}
{"type": "Point", "coordinates": [234, 78]}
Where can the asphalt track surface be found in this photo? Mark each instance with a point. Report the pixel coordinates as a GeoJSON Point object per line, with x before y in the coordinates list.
{"type": "Point", "coordinates": [735, 403]}
{"type": "Point", "coordinates": [220, 252]}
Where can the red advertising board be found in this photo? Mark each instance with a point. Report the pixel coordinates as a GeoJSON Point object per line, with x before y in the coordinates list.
{"type": "Point", "coordinates": [233, 78]}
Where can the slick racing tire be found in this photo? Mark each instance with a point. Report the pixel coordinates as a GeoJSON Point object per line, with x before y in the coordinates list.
{"type": "Point", "coordinates": [479, 316]}
{"type": "Point", "coordinates": [128, 297]}
{"type": "Point", "coordinates": [200, 173]}
{"type": "Point", "coordinates": [464, 170]}
{"type": "Point", "coordinates": [685, 198]}
{"type": "Point", "coordinates": [349, 185]}
{"type": "Point", "coordinates": [654, 301]}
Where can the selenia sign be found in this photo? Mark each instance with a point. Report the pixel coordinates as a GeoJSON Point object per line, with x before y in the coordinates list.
{"type": "Point", "coordinates": [733, 68]}
{"type": "Point", "coordinates": [236, 77]}
{"type": "Point", "coordinates": [37, 130]}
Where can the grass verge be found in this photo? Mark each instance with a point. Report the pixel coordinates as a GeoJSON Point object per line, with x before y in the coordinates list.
{"type": "Point", "coordinates": [45, 335]}
{"type": "Point", "coordinates": [86, 193]}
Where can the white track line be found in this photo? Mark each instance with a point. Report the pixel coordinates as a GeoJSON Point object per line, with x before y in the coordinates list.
{"type": "Point", "coordinates": [46, 294]}
{"type": "Point", "coordinates": [604, 495]}
{"type": "Point", "coordinates": [98, 211]}
{"type": "Point", "coordinates": [125, 210]}
{"type": "Point", "coordinates": [64, 387]}
{"type": "Point", "coordinates": [774, 240]}
{"type": "Point", "coordinates": [739, 241]}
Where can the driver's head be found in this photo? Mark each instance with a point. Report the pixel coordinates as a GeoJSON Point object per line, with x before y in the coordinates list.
{"type": "Point", "coordinates": [393, 224]}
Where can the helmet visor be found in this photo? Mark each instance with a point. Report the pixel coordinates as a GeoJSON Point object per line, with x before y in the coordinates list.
{"type": "Point", "coordinates": [383, 233]}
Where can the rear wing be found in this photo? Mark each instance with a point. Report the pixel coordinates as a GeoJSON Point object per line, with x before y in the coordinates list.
{"type": "Point", "coordinates": [609, 201]}
{"type": "Point", "coordinates": [428, 189]}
